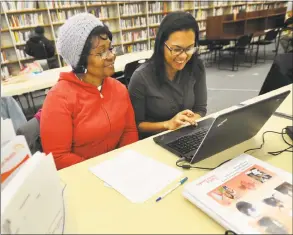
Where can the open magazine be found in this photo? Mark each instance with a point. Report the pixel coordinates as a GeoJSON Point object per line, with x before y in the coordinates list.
{"type": "Point", "coordinates": [245, 195]}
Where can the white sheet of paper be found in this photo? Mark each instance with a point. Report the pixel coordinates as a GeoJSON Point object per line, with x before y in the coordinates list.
{"type": "Point", "coordinates": [135, 176]}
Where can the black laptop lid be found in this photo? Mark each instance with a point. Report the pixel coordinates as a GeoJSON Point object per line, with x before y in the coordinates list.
{"type": "Point", "coordinates": [237, 126]}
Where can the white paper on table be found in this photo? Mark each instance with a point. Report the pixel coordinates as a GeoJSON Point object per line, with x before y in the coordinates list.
{"type": "Point", "coordinates": [135, 176]}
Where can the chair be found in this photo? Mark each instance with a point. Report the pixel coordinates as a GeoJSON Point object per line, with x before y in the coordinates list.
{"type": "Point", "coordinates": [129, 70]}
{"type": "Point", "coordinates": [241, 45]}
{"type": "Point", "coordinates": [270, 37]}
{"type": "Point", "coordinates": [280, 74]}
{"type": "Point", "coordinates": [31, 132]}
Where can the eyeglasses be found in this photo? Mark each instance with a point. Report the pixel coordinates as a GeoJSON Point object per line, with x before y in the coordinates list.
{"type": "Point", "coordinates": [178, 51]}
{"type": "Point", "coordinates": [106, 54]}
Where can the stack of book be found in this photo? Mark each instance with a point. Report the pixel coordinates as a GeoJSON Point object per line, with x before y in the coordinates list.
{"type": "Point", "coordinates": [31, 192]}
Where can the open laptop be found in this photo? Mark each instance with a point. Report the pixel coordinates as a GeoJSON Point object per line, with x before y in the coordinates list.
{"type": "Point", "coordinates": [214, 135]}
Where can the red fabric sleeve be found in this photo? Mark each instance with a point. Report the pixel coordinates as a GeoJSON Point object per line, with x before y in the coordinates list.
{"type": "Point", "coordinates": [56, 130]}
{"type": "Point", "coordinates": [130, 134]}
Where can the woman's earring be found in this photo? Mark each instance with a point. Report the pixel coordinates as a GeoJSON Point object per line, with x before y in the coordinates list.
{"type": "Point", "coordinates": [85, 70]}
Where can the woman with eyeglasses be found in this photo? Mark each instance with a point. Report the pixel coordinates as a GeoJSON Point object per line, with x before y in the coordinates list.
{"type": "Point", "coordinates": [169, 90]}
{"type": "Point", "coordinates": [87, 113]}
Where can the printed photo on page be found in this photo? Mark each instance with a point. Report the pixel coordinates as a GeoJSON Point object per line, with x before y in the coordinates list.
{"type": "Point", "coordinates": [260, 197]}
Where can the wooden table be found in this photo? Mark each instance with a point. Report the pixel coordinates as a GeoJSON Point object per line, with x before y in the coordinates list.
{"type": "Point", "coordinates": [91, 207]}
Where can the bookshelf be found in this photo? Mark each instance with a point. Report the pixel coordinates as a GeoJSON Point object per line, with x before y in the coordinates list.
{"type": "Point", "coordinates": [134, 24]}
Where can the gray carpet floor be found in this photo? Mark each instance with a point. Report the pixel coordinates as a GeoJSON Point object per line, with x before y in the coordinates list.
{"type": "Point", "coordinates": [227, 88]}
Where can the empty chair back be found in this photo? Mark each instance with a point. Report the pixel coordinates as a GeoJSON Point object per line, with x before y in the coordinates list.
{"type": "Point", "coordinates": [131, 67]}
{"type": "Point", "coordinates": [271, 35]}
{"type": "Point", "coordinates": [243, 41]}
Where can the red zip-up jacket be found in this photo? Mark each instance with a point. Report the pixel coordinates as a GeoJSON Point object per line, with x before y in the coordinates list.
{"type": "Point", "coordinates": [78, 124]}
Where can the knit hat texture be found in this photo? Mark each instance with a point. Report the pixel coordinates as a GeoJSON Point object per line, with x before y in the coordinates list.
{"type": "Point", "coordinates": [73, 35]}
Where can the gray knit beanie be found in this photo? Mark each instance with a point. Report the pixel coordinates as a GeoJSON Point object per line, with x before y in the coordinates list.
{"type": "Point", "coordinates": [73, 35]}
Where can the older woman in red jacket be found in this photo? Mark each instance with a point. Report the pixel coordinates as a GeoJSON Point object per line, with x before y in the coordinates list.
{"type": "Point", "coordinates": [87, 113]}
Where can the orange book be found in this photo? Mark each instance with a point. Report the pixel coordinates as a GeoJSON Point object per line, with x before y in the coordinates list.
{"type": "Point", "coordinates": [165, 7]}
{"type": "Point", "coordinates": [13, 21]}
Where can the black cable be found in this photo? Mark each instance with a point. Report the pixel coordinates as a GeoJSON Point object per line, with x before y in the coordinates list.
{"type": "Point", "coordinates": [230, 232]}
{"type": "Point", "coordinates": [283, 133]}
{"type": "Point", "coordinates": [187, 166]}
{"type": "Point", "coordinates": [274, 153]}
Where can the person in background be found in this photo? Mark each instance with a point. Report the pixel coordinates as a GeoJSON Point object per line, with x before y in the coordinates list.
{"type": "Point", "coordinates": [87, 113]}
{"type": "Point", "coordinates": [169, 90]}
{"type": "Point", "coordinates": [39, 47]}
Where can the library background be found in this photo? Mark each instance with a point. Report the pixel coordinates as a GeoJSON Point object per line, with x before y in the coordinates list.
{"type": "Point", "coordinates": [133, 23]}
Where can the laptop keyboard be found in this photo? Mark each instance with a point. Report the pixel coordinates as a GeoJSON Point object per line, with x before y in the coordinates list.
{"type": "Point", "coordinates": [188, 143]}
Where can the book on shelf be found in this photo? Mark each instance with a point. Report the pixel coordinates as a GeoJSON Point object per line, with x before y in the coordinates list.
{"type": "Point", "coordinates": [3, 57]}
{"type": "Point", "coordinates": [139, 21]}
{"type": "Point", "coordinates": [32, 19]}
{"type": "Point", "coordinates": [101, 12]}
{"type": "Point", "coordinates": [60, 16]}
{"type": "Point", "coordinates": [18, 5]}
{"type": "Point", "coordinates": [155, 19]}
{"type": "Point", "coordinates": [5, 72]}
{"type": "Point", "coordinates": [245, 195]}
{"type": "Point", "coordinates": [158, 7]}
{"type": "Point", "coordinates": [130, 9]}
{"type": "Point", "coordinates": [33, 188]}
{"type": "Point", "coordinates": [153, 32]}
{"type": "Point", "coordinates": [135, 47]}
{"type": "Point", "coordinates": [61, 4]}
{"type": "Point", "coordinates": [176, 6]}
{"type": "Point", "coordinates": [89, 3]}
{"type": "Point", "coordinates": [134, 36]}
{"type": "Point", "coordinates": [22, 55]}
{"type": "Point", "coordinates": [21, 36]}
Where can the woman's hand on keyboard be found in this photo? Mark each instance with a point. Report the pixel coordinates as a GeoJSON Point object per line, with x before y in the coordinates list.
{"type": "Point", "coordinates": [182, 118]}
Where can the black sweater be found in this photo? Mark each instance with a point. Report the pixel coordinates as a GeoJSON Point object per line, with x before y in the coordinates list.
{"type": "Point", "coordinates": [39, 47]}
